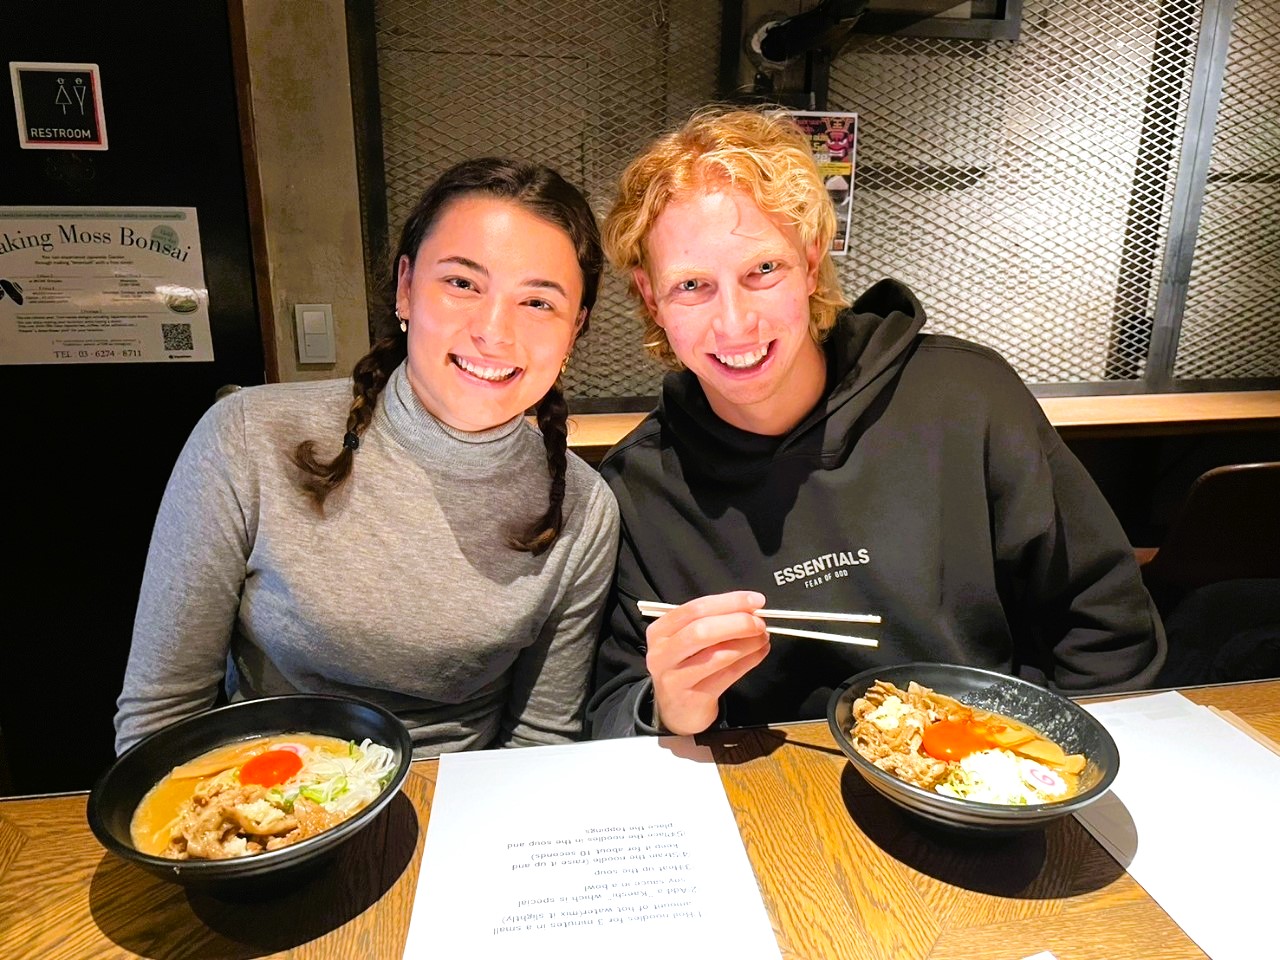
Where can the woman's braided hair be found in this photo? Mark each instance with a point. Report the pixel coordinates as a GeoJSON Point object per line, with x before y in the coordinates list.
{"type": "Point", "coordinates": [546, 194]}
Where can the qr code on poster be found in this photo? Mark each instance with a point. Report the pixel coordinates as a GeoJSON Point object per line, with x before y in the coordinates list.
{"type": "Point", "coordinates": [177, 336]}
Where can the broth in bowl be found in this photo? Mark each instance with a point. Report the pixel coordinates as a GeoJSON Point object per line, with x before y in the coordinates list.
{"type": "Point", "coordinates": [257, 795]}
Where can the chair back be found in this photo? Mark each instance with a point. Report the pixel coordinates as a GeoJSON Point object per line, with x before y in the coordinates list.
{"type": "Point", "coordinates": [1228, 528]}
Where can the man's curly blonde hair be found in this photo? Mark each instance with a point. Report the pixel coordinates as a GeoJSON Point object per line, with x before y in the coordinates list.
{"type": "Point", "coordinates": [762, 153]}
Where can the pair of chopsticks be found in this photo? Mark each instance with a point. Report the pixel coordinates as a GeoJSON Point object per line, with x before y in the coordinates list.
{"type": "Point", "coordinates": [652, 608]}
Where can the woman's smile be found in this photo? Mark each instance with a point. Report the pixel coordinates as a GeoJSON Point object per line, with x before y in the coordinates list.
{"type": "Point", "coordinates": [482, 370]}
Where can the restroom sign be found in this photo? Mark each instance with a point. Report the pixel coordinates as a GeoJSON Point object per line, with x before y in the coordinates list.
{"type": "Point", "coordinates": [59, 106]}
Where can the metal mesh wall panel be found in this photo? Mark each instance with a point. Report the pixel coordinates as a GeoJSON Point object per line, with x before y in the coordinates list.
{"type": "Point", "coordinates": [1023, 188]}
{"type": "Point", "coordinates": [579, 86]}
{"type": "Point", "coordinates": [1231, 325]}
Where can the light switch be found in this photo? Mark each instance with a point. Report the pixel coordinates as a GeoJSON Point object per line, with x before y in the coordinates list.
{"type": "Point", "coordinates": [314, 324]}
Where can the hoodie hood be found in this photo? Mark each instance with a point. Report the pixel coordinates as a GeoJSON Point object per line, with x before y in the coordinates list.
{"type": "Point", "coordinates": [869, 344]}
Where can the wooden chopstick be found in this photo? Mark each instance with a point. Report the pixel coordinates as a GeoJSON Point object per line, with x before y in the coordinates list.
{"type": "Point", "coordinates": [818, 635]}
{"type": "Point", "coordinates": [654, 609]}
{"type": "Point", "coordinates": [767, 614]}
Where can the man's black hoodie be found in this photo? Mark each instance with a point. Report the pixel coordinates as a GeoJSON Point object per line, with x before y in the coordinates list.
{"type": "Point", "coordinates": [925, 486]}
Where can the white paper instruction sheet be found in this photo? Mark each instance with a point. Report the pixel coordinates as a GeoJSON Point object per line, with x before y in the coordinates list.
{"type": "Point", "coordinates": [1191, 816]}
{"type": "Point", "coordinates": [618, 848]}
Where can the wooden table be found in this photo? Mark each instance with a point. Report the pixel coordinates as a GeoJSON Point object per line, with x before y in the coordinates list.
{"type": "Point", "coordinates": [844, 875]}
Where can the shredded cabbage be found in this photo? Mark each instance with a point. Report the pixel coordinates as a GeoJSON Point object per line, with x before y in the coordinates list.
{"type": "Point", "coordinates": [341, 785]}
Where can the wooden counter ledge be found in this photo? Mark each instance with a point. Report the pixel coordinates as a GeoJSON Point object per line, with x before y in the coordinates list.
{"type": "Point", "coordinates": [592, 434]}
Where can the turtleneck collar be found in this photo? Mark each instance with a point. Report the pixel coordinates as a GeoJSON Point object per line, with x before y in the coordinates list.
{"type": "Point", "coordinates": [429, 440]}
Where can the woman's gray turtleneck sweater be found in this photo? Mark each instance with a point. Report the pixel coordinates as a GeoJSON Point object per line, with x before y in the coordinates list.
{"type": "Point", "coordinates": [403, 592]}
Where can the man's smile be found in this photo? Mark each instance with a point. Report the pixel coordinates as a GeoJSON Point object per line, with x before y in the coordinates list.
{"type": "Point", "coordinates": [744, 361]}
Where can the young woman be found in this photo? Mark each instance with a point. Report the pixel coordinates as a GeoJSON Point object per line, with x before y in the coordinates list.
{"type": "Point", "coordinates": [435, 554]}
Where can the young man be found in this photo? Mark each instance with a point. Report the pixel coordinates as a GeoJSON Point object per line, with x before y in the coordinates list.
{"type": "Point", "coordinates": [820, 458]}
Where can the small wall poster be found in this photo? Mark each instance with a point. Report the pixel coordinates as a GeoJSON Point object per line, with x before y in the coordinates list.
{"type": "Point", "coordinates": [834, 141]}
{"type": "Point", "coordinates": [102, 285]}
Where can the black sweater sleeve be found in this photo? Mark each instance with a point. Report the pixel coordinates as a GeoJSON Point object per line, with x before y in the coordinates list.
{"type": "Point", "coordinates": [1076, 600]}
{"type": "Point", "coordinates": [622, 702]}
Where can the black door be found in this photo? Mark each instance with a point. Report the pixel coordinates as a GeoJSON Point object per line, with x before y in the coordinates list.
{"type": "Point", "coordinates": [88, 448]}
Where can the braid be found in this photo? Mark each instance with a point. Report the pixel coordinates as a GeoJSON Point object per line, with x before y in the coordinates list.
{"type": "Point", "coordinates": [319, 479]}
{"type": "Point", "coordinates": [553, 421]}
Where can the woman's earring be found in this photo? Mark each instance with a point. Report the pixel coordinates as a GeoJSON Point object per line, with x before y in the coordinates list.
{"type": "Point", "coordinates": [564, 364]}
{"type": "Point", "coordinates": [404, 324]}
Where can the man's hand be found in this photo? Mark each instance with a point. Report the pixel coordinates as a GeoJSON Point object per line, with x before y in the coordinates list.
{"type": "Point", "coordinates": [700, 649]}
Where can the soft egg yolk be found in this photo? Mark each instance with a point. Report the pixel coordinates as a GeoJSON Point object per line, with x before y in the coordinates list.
{"type": "Point", "coordinates": [271, 768]}
{"type": "Point", "coordinates": [952, 740]}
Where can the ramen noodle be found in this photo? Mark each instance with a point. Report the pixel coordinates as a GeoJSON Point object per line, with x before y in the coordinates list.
{"type": "Point", "coordinates": [938, 743]}
{"type": "Point", "coordinates": [258, 795]}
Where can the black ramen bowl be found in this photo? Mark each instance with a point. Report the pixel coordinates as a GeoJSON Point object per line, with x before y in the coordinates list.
{"type": "Point", "coordinates": [118, 792]}
{"type": "Point", "coordinates": [1070, 726]}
